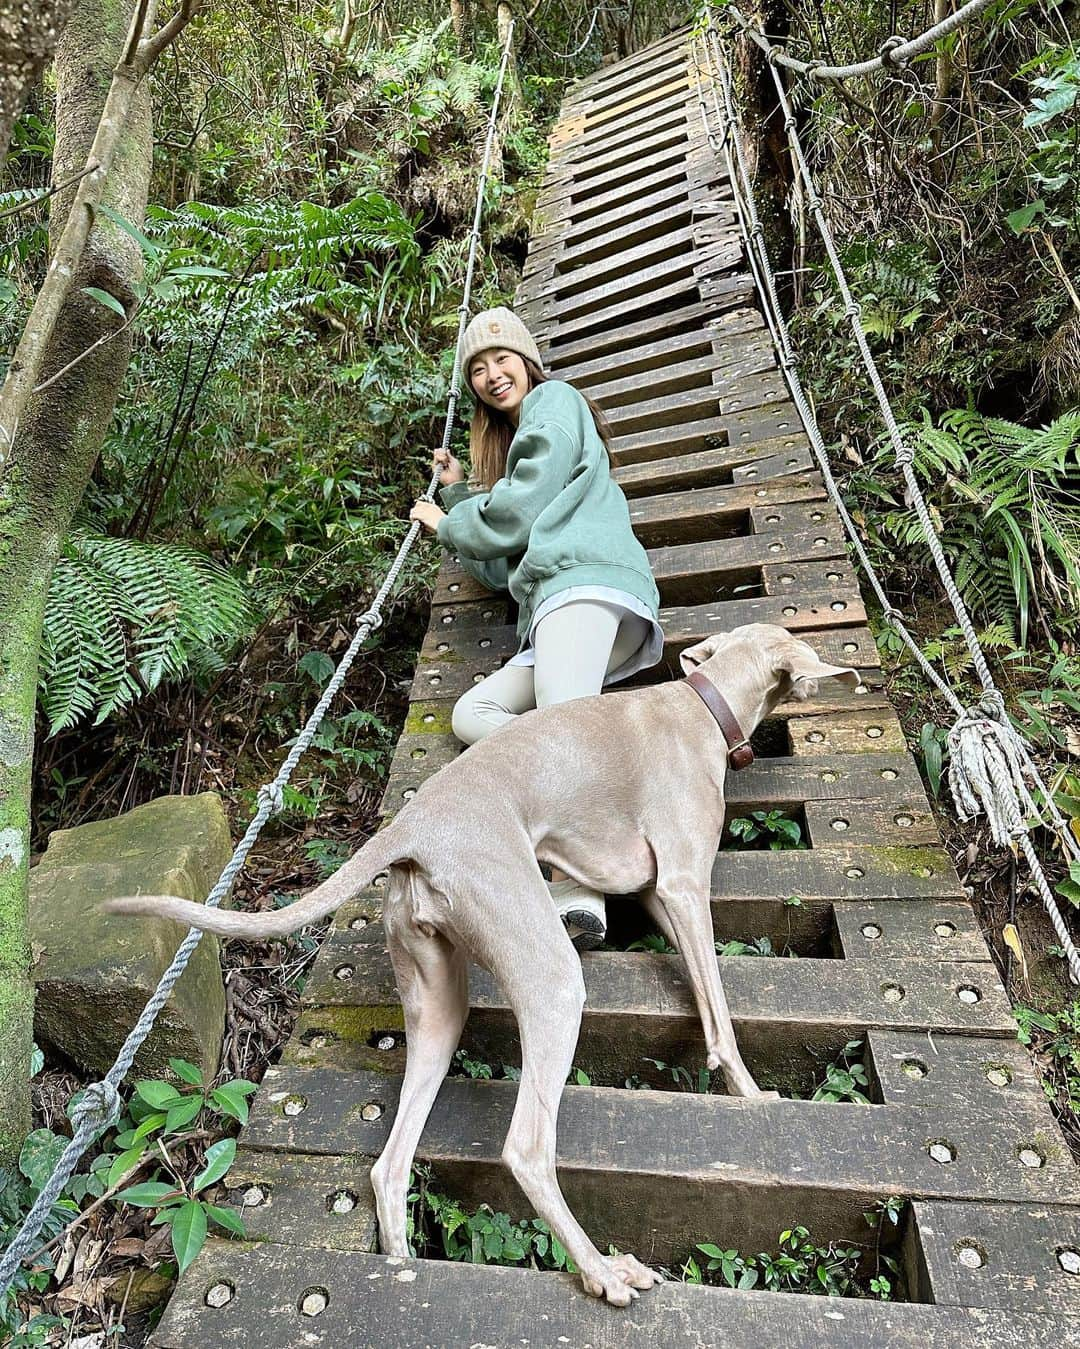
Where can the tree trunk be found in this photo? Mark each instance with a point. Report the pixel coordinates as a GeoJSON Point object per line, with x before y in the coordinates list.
{"type": "Point", "coordinates": [52, 458]}
{"type": "Point", "coordinates": [29, 30]}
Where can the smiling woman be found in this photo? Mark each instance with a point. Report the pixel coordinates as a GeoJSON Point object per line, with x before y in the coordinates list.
{"type": "Point", "coordinates": [553, 528]}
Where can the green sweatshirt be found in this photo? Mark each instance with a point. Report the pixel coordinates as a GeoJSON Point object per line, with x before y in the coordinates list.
{"type": "Point", "coordinates": [556, 518]}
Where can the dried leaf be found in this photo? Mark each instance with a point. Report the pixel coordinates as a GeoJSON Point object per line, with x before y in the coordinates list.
{"type": "Point", "coordinates": [1011, 938]}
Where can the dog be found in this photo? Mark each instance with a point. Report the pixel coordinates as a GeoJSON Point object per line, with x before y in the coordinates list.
{"type": "Point", "coordinates": [624, 793]}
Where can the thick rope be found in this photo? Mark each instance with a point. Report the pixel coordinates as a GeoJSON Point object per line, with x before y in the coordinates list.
{"type": "Point", "coordinates": [893, 54]}
{"type": "Point", "coordinates": [988, 757]}
{"type": "Point", "coordinates": [99, 1105]}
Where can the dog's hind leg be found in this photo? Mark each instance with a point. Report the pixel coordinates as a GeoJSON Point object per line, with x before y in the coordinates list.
{"type": "Point", "coordinates": [547, 994]}
{"type": "Point", "coordinates": [432, 979]}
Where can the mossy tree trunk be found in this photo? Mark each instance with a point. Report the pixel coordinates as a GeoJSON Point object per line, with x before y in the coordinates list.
{"type": "Point", "coordinates": [29, 30]}
{"type": "Point", "coordinates": [52, 458]}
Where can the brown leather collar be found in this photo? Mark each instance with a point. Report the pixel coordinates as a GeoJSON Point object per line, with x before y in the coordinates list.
{"type": "Point", "coordinates": [740, 755]}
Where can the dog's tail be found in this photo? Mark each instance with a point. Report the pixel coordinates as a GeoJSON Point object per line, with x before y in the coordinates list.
{"type": "Point", "coordinates": [375, 856]}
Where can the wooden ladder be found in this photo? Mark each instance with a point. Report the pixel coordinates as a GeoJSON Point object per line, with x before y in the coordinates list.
{"type": "Point", "coordinates": [637, 290]}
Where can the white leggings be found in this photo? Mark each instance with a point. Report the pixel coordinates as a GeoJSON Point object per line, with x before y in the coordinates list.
{"type": "Point", "coordinates": [575, 646]}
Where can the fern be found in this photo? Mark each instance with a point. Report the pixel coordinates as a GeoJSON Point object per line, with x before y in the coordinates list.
{"type": "Point", "coordinates": [123, 616]}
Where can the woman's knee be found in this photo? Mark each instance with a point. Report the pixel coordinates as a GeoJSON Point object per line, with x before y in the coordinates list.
{"type": "Point", "coordinates": [466, 725]}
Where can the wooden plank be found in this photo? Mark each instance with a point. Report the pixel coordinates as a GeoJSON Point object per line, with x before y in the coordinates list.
{"type": "Point", "coordinates": [794, 578]}
{"type": "Point", "coordinates": [841, 875]}
{"type": "Point", "coordinates": [678, 517]}
{"type": "Point", "coordinates": [559, 352]}
{"type": "Point", "coordinates": [868, 732]}
{"type": "Point", "coordinates": [650, 355]}
{"type": "Point", "coordinates": [323, 1202]}
{"type": "Point", "coordinates": [649, 1167]}
{"type": "Point", "coordinates": [699, 465]}
{"type": "Point", "coordinates": [1018, 1257]}
{"type": "Point", "coordinates": [968, 1074]}
{"type": "Point", "coordinates": [648, 259]}
{"type": "Point", "coordinates": [685, 568]}
{"type": "Point", "coordinates": [665, 133]}
{"type": "Point", "coordinates": [574, 303]}
{"type": "Point", "coordinates": [373, 1302]}
{"type": "Point", "coordinates": [871, 820]}
{"type": "Point", "coordinates": [917, 929]}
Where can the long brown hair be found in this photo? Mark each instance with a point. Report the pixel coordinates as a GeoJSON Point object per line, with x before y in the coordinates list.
{"type": "Point", "coordinates": [491, 432]}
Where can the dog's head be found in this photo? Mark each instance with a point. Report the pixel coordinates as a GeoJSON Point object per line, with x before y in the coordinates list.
{"type": "Point", "coordinates": [778, 665]}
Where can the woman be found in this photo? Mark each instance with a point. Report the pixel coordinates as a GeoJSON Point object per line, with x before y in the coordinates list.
{"type": "Point", "coordinates": [553, 528]}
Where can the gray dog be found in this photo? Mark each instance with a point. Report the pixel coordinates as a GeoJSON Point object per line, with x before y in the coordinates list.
{"type": "Point", "coordinates": [625, 793]}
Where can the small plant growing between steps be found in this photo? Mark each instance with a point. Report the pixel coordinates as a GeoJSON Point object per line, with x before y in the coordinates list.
{"type": "Point", "coordinates": [844, 1078]}
{"type": "Point", "coordinates": [765, 829]}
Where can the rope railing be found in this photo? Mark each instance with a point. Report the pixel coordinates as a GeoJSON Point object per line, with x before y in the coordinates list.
{"type": "Point", "coordinates": [894, 53]}
{"type": "Point", "coordinates": [99, 1106]}
{"type": "Point", "coordinates": [988, 757]}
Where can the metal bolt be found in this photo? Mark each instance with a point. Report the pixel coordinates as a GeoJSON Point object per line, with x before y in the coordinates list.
{"type": "Point", "coordinates": [314, 1302]}
{"type": "Point", "coordinates": [944, 929]}
{"type": "Point", "coordinates": [253, 1196]}
{"type": "Point", "coordinates": [408, 793]}
{"type": "Point", "coordinates": [454, 587]}
{"type": "Point", "coordinates": [870, 931]}
{"type": "Point", "coordinates": [889, 774]}
{"type": "Point", "coordinates": [341, 1202]}
{"type": "Point", "coordinates": [839, 824]}
{"type": "Point", "coordinates": [838, 606]}
{"type": "Point", "coordinates": [820, 541]}
{"type": "Point", "coordinates": [428, 718]}
{"type": "Point", "coordinates": [344, 972]}
{"type": "Point", "coordinates": [219, 1294]}
{"type": "Point", "coordinates": [790, 611]}
{"type": "Point", "coordinates": [924, 871]}
{"type": "Point", "coordinates": [787, 580]}
{"type": "Point", "coordinates": [861, 690]}
{"type": "Point", "coordinates": [914, 1068]}
{"type": "Point", "coordinates": [968, 994]}
{"type": "Point", "coordinates": [772, 519]}
{"type": "Point", "coordinates": [485, 642]}
{"type": "Point", "coordinates": [850, 647]}
{"type": "Point", "coordinates": [998, 1075]}
{"type": "Point", "coordinates": [380, 880]}
{"type": "Point", "coordinates": [892, 992]}
{"type": "Point", "coordinates": [814, 515]}
{"type": "Point", "coordinates": [443, 646]}
{"type": "Point", "coordinates": [447, 619]}
{"type": "Point", "coordinates": [1030, 1158]}
{"type": "Point", "coordinates": [434, 680]}
{"type": "Point", "coordinates": [418, 754]}
{"type": "Point", "coordinates": [775, 547]}
{"type": "Point", "coordinates": [385, 1042]}
{"type": "Point", "coordinates": [904, 821]}
{"type": "Point", "coordinates": [854, 873]}
{"type": "Point", "coordinates": [815, 737]}
{"type": "Point", "coordinates": [874, 732]}
{"type": "Point", "coordinates": [1069, 1260]}
{"type": "Point", "coordinates": [294, 1105]}
{"type": "Point", "coordinates": [829, 776]}
{"type": "Point", "coordinates": [372, 1111]}
{"type": "Point", "coordinates": [969, 1255]}
{"type": "Point", "coordinates": [487, 613]}
{"type": "Point", "coordinates": [942, 1152]}
{"type": "Point", "coordinates": [750, 473]}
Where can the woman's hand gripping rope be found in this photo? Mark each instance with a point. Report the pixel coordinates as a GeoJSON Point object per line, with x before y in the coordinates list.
{"type": "Point", "coordinates": [427, 512]}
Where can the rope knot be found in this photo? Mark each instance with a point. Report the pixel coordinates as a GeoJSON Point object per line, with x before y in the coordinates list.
{"type": "Point", "coordinates": [272, 795]}
{"type": "Point", "coordinates": [371, 619]}
{"type": "Point", "coordinates": [887, 53]}
{"type": "Point", "coordinates": [904, 455]}
{"type": "Point", "coordinates": [97, 1108]}
{"type": "Point", "coordinates": [852, 310]}
{"type": "Point", "coordinates": [894, 617]}
{"type": "Point", "coordinates": [789, 123]}
{"type": "Point", "coordinates": [992, 705]}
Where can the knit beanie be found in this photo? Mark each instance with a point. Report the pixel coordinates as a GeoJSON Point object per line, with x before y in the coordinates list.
{"type": "Point", "coordinates": [496, 328]}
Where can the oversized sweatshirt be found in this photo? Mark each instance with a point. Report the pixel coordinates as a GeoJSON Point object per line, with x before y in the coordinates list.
{"type": "Point", "coordinates": [555, 519]}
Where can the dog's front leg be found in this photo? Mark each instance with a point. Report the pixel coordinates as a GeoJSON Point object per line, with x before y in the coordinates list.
{"type": "Point", "coordinates": [683, 898]}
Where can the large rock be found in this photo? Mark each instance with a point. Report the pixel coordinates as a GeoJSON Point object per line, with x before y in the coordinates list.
{"type": "Point", "coordinates": [94, 971]}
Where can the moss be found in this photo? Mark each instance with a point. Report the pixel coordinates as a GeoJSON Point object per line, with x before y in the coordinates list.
{"type": "Point", "coordinates": [356, 1025]}
{"type": "Point", "coordinates": [440, 723]}
{"type": "Point", "coordinates": [908, 861]}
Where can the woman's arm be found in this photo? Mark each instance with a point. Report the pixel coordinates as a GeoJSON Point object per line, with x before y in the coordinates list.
{"type": "Point", "coordinates": [496, 524]}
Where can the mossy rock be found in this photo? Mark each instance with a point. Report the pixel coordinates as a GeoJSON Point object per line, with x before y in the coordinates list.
{"type": "Point", "coordinates": [93, 971]}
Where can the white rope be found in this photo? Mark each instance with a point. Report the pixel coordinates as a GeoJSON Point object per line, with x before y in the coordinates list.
{"type": "Point", "coordinates": [893, 54]}
{"type": "Point", "coordinates": [99, 1105]}
{"type": "Point", "coordinates": [990, 763]}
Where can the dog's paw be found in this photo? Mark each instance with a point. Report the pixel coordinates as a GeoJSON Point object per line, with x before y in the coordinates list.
{"type": "Point", "coordinates": [620, 1278]}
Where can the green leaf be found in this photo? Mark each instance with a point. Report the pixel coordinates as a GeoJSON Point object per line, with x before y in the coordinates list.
{"type": "Point", "coordinates": [160, 1095]}
{"type": "Point", "coordinates": [188, 1233]}
{"type": "Point", "coordinates": [187, 1071]}
{"type": "Point", "coordinates": [317, 666]}
{"type": "Point", "coordinates": [230, 1102]}
{"type": "Point", "coordinates": [182, 1113]}
{"type": "Point", "coordinates": [40, 1152]}
{"type": "Point", "coordinates": [219, 1157]}
{"type": "Point", "coordinates": [151, 1194]}
{"type": "Point", "coordinates": [123, 1164]}
{"type": "Point", "coordinates": [150, 250]}
{"type": "Point", "coordinates": [148, 1125]}
{"type": "Point", "coordinates": [226, 1218]}
{"type": "Point", "coordinates": [109, 301]}
{"type": "Point", "coordinates": [1019, 221]}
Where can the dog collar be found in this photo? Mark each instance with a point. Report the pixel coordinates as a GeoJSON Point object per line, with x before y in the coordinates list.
{"type": "Point", "coordinates": [740, 755]}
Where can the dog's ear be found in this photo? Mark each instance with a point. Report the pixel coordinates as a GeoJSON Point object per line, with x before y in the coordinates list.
{"type": "Point", "coordinates": [802, 663]}
{"type": "Point", "coordinates": [694, 656]}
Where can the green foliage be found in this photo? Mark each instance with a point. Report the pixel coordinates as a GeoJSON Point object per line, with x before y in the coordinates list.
{"type": "Point", "coordinates": [1056, 1036]}
{"type": "Point", "coordinates": [122, 616]}
{"type": "Point", "coordinates": [1052, 159]}
{"type": "Point", "coordinates": [766, 829]}
{"type": "Point", "coordinates": [844, 1078]}
{"type": "Point", "coordinates": [1007, 508]}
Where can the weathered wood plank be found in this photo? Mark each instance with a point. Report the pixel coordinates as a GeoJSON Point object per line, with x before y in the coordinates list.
{"type": "Point", "coordinates": [967, 1073]}
{"type": "Point", "coordinates": [645, 466]}
{"type": "Point", "coordinates": [862, 732]}
{"type": "Point", "coordinates": [679, 517]}
{"type": "Point", "coordinates": [916, 929]}
{"type": "Point", "coordinates": [871, 820]}
{"type": "Point", "coordinates": [377, 1303]}
{"type": "Point", "coordinates": [323, 1202]}
{"type": "Point", "coordinates": [1012, 1256]}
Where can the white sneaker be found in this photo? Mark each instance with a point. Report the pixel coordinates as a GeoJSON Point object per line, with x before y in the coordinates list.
{"type": "Point", "coordinates": [582, 911]}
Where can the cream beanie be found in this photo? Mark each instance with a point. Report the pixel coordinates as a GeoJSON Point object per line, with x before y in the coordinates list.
{"type": "Point", "coordinates": [496, 328]}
